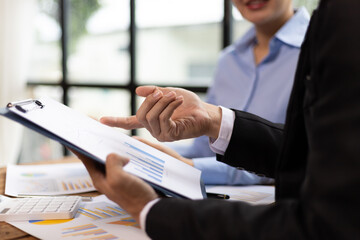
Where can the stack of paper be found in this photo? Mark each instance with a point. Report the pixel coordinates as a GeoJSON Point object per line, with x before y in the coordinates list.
{"type": "Point", "coordinates": [100, 219]}
{"type": "Point", "coordinates": [49, 179]}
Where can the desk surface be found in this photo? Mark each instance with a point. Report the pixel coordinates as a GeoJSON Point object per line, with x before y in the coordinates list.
{"type": "Point", "coordinates": [8, 231]}
{"type": "Point", "coordinates": [250, 194]}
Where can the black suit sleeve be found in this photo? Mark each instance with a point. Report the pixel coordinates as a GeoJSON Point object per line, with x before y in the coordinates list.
{"type": "Point", "coordinates": [326, 205]}
{"type": "Point", "coordinates": [255, 144]}
{"type": "Point", "coordinates": [218, 219]}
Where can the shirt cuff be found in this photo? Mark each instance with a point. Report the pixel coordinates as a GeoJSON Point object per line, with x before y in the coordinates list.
{"type": "Point", "coordinates": [220, 145]}
{"type": "Point", "coordinates": [144, 212]}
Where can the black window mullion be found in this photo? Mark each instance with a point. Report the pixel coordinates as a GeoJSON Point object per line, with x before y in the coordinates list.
{"type": "Point", "coordinates": [64, 21]}
{"type": "Point", "coordinates": [132, 52]}
{"type": "Point", "coordinates": [64, 14]}
{"type": "Point", "coordinates": [227, 23]}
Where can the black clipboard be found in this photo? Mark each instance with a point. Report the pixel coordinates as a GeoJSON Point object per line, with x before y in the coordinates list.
{"type": "Point", "coordinates": [27, 106]}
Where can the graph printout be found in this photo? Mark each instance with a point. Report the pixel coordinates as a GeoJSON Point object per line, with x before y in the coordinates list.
{"type": "Point", "coordinates": [49, 179]}
{"type": "Point", "coordinates": [99, 140]}
{"type": "Point", "coordinates": [100, 219]}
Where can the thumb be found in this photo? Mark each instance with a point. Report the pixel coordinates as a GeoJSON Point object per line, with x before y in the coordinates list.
{"type": "Point", "coordinates": [114, 161]}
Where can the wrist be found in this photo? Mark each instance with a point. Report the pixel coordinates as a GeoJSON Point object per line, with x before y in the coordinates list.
{"type": "Point", "coordinates": [215, 115]}
{"type": "Point", "coordinates": [135, 211]}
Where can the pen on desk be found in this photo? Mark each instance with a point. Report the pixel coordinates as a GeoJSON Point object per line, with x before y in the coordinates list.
{"type": "Point", "coordinates": [217, 195]}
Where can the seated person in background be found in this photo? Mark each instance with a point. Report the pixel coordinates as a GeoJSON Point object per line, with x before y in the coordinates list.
{"type": "Point", "coordinates": [255, 74]}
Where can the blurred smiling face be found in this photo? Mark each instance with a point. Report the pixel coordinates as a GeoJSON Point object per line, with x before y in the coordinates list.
{"type": "Point", "coordinates": [262, 12]}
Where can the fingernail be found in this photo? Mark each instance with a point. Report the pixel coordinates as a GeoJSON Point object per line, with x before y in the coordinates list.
{"type": "Point", "coordinates": [170, 94]}
{"type": "Point", "coordinates": [156, 94]}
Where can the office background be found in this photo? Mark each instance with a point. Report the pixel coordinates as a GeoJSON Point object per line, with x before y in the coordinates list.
{"type": "Point", "coordinates": [92, 54]}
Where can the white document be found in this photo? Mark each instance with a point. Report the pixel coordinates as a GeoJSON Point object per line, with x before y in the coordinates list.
{"type": "Point", "coordinates": [100, 140]}
{"type": "Point", "coordinates": [100, 219]}
{"type": "Point", "coordinates": [47, 179]}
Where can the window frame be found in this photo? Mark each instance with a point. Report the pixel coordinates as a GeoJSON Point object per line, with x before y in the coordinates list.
{"type": "Point", "coordinates": [65, 84]}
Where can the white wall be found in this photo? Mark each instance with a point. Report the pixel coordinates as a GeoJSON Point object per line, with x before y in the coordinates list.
{"type": "Point", "coordinates": [15, 39]}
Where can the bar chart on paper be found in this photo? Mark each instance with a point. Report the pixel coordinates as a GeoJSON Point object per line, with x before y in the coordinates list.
{"type": "Point", "coordinates": [108, 211]}
{"type": "Point", "coordinates": [47, 185]}
{"type": "Point", "coordinates": [164, 172]}
{"type": "Point", "coordinates": [104, 216]}
{"type": "Point", "coordinates": [49, 179]}
{"type": "Point", "coordinates": [94, 221]}
{"type": "Point", "coordinates": [146, 163]}
{"type": "Point", "coordinates": [102, 212]}
{"type": "Point", "coordinates": [76, 184]}
{"type": "Point", "coordinates": [128, 221]}
{"type": "Point", "coordinates": [90, 231]}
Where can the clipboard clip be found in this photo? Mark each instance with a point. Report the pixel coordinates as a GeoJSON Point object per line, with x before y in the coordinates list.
{"type": "Point", "coordinates": [26, 105]}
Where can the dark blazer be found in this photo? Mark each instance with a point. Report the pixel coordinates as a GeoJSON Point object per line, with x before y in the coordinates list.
{"type": "Point", "coordinates": [315, 159]}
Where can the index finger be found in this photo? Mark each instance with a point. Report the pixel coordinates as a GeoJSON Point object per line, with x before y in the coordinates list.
{"type": "Point", "coordinates": [127, 123]}
{"type": "Point", "coordinates": [144, 91]}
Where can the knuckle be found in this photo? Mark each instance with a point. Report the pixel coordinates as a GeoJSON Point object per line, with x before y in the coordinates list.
{"type": "Point", "coordinates": [152, 121]}
{"type": "Point", "coordinates": [162, 117]}
{"type": "Point", "coordinates": [141, 118]}
{"type": "Point", "coordinates": [149, 118]}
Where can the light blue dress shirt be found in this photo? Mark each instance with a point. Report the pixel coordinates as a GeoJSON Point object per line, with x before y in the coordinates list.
{"type": "Point", "coordinates": [262, 89]}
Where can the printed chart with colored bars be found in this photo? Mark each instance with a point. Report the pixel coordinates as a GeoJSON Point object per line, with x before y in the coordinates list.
{"type": "Point", "coordinates": [94, 221]}
{"type": "Point", "coordinates": [47, 179]}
